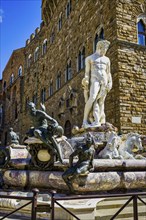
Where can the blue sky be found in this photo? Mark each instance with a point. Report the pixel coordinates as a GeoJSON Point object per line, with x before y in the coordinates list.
{"type": "Point", "coordinates": [18, 19]}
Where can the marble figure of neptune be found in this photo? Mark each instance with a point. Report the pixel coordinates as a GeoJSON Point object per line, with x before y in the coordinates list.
{"type": "Point", "coordinates": [96, 84]}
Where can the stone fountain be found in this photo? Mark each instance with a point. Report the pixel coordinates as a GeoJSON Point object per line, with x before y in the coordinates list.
{"type": "Point", "coordinates": [95, 159]}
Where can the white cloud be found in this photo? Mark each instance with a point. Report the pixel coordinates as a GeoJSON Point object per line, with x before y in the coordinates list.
{"type": "Point", "coordinates": [1, 15]}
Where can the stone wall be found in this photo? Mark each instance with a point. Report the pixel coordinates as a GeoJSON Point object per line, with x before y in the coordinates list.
{"type": "Point", "coordinates": [125, 104]}
{"type": "Point", "coordinates": [12, 90]}
{"type": "Point", "coordinates": [132, 86]}
{"type": "Point", "coordinates": [131, 68]}
{"type": "Point", "coordinates": [78, 31]}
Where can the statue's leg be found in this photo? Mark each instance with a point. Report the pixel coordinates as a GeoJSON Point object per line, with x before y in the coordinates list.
{"type": "Point", "coordinates": [38, 134]}
{"type": "Point", "coordinates": [96, 113]}
{"type": "Point", "coordinates": [83, 169]}
{"type": "Point", "coordinates": [86, 95]}
{"type": "Point", "coordinates": [58, 149]}
{"type": "Point", "coordinates": [101, 110]}
{"type": "Point", "coordinates": [94, 89]}
{"type": "Point", "coordinates": [67, 177]}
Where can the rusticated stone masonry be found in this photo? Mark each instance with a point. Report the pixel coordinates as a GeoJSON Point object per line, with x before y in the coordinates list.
{"type": "Point", "coordinates": [68, 27]}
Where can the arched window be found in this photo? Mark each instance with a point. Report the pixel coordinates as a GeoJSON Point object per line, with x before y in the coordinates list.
{"type": "Point", "coordinates": [141, 33]}
{"type": "Point", "coordinates": [52, 37]}
{"type": "Point", "coordinates": [36, 54]}
{"type": "Point", "coordinates": [5, 85]}
{"type": "Point", "coordinates": [16, 110]}
{"type": "Point", "coordinates": [96, 39]}
{"type": "Point", "coordinates": [11, 79]}
{"type": "Point", "coordinates": [43, 95]}
{"type": "Point", "coordinates": [81, 59]}
{"type": "Point", "coordinates": [29, 60]}
{"type": "Point", "coordinates": [68, 8]}
{"type": "Point", "coordinates": [20, 71]}
{"type": "Point", "coordinates": [34, 99]}
{"type": "Point", "coordinates": [58, 81]}
{"type": "Point", "coordinates": [99, 36]}
{"type": "Point", "coordinates": [44, 47]}
{"type": "Point", "coordinates": [67, 129]}
{"type": "Point", "coordinates": [51, 88]}
{"type": "Point", "coordinates": [68, 74]}
{"type": "Point", "coordinates": [60, 22]}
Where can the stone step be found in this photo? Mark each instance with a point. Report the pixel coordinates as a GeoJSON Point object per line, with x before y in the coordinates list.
{"type": "Point", "coordinates": [107, 208]}
{"type": "Point", "coordinates": [116, 203]}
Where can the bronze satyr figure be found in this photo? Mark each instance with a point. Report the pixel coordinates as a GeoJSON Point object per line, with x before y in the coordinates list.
{"type": "Point", "coordinates": [85, 153]}
{"type": "Point", "coordinates": [45, 127]}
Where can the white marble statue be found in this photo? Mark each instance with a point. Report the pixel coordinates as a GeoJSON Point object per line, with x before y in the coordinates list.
{"type": "Point", "coordinates": [122, 147]}
{"type": "Point", "coordinates": [128, 143]}
{"type": "Point", "coordinates": [96, 83]}
{"type": "Point", "coordinates": [111, 149]}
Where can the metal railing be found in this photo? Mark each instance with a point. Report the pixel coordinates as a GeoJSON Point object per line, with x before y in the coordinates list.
{"type": "Point", "coordinates": [32, 200]}
{"type": "Point", "coordinates": [55, 198]}
{"type": "Point", "coordinates": [135, 196]}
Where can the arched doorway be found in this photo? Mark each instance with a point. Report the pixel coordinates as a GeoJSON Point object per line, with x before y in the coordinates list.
{"type": "Point", "coordinates": [67, 129]}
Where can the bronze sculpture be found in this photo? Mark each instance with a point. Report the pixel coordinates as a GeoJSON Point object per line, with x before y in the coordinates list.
{"type": "Point", "coordinates": [45, 127]}
{"type": "Point", "coordinates": [85, 153]}
{"type": "Point", "coordinates": [14, 138]}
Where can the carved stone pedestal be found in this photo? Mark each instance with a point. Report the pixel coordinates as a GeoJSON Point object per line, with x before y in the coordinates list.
{"type": "Point", "coordinates": [42, 157]}
{"type": "Point", "coordinates": [93, 182]}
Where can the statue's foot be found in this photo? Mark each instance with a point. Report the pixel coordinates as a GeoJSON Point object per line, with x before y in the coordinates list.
{"type": "Point", "coordinates": [84, 174]}
{"type": "Point", "coordinates": [62, 161]}
{"type": "Point", "coordinates": [95, 124]}
{"type": "Point", "coordinates": [85, 124]}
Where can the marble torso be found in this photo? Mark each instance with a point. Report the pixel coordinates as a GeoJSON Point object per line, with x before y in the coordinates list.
{"type": "Point", "coordinates": [98, 68]}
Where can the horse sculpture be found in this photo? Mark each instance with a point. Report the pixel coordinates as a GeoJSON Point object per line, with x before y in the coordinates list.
{"type": "Point", "coordinates": [130, 143]}
{"type": "Point", "coordinates": [111, 149]}
{"type": "Point", "coordinates": [122, 147]}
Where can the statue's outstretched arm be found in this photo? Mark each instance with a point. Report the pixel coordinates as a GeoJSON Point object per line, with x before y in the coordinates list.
{"type": "Point", "coordinates": [50, 119]}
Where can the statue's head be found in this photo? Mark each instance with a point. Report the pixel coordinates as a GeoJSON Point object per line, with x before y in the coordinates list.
{"type": "Point", "coordinates": [10, 129]}
{"type": "Point", "coordinates": [89, 140]}
{"type": "Point", "coordinates": [31, 106]}
{"type": "Point", "coordinates": [102, 47]}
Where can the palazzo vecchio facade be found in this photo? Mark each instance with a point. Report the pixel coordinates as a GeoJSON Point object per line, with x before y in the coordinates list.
{"type": "Point", "coordinates": [51, 66]}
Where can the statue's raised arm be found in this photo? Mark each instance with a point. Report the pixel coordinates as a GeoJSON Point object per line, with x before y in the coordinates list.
{"type": "Point", "coordinates": [45, 128]}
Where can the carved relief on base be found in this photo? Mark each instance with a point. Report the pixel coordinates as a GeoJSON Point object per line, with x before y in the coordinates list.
{"type": "Point", "coordinates": [41, 156]}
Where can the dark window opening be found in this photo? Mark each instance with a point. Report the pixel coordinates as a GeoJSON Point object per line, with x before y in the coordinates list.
{"type": "Point", "coordinates": [68, 71]}
{"type": "Point", "coordinates": [141, 33]}
{"type": "Point", "coordinates": [67, 129]}
{"type": "Point", "coordinates": [51, 89]}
